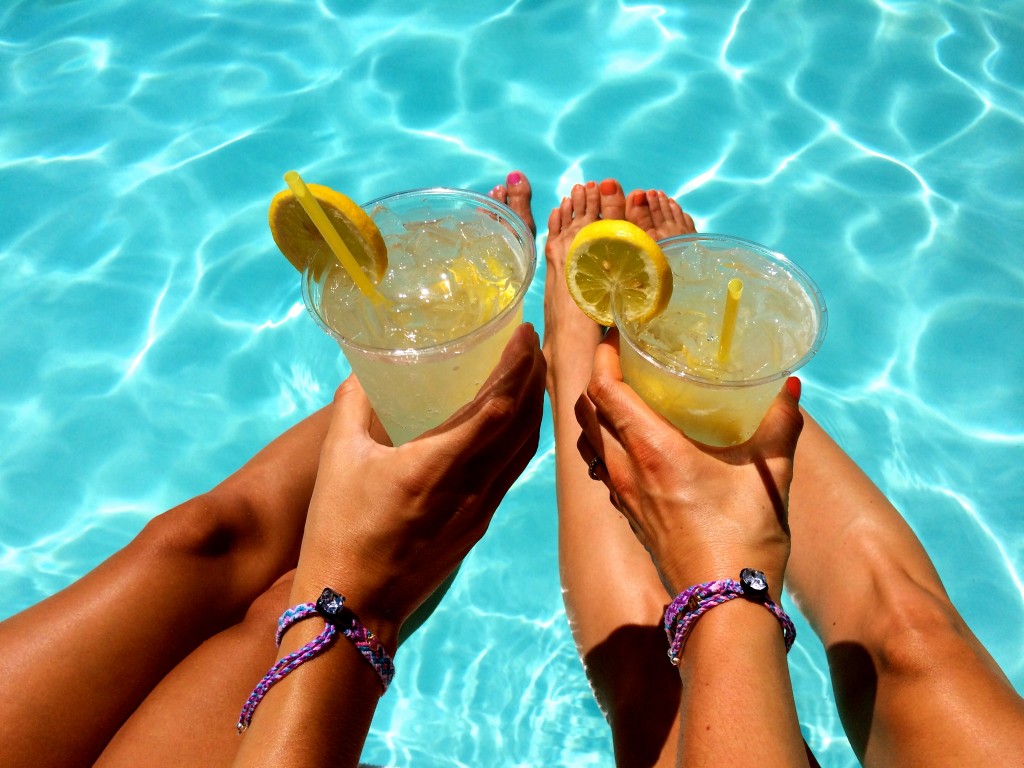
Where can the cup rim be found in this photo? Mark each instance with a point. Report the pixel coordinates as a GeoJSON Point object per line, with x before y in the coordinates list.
{"type": "Point", "coordinates": [521, 231]}
{"type": "Point", "coordinates": [805, 281]}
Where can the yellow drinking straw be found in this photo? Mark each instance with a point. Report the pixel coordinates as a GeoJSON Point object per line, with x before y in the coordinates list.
{"type": "Point", "coordinates": [323, 225]}
{"type": "Point", "coordinates": [732, 303]}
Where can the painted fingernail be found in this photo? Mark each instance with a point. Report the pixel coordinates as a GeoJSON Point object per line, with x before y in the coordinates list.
{"type": "Point", "coordinates": [514, 178]}
{"type": "Point", "coordinates": [793, 387]}
{"type": "Point", "coordinates": [639, 198]}
{"type": "Point", "coordinates": [609, 187]}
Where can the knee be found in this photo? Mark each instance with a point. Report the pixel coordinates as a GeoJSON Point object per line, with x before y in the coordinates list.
{"type": "Point", "coordinates": [915, 631]}
{"type": "Point", "coordinates": [198, 527]}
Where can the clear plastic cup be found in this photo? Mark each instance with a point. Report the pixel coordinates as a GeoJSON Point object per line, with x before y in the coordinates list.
{"type": "Point", "coordinates": [459, 266]}
{"type": "Point", "coordinates": [671, 361]}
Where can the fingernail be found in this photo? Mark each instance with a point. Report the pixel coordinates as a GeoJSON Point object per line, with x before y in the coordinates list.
{"type": "Point", "coordinates": [639, 198]}
{"type": "Point", "coordinates": [609, 187]}
{"type": "Point", "coordinates": [514, 178]}
{"type": "Point", "coordinates": [793, 387]}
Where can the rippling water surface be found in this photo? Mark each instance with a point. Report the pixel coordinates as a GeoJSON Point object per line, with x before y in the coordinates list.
{"type": "Point", "coordinates": [153, 337]}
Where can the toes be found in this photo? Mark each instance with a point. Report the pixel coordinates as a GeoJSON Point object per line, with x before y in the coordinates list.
{"type": "Point", "coordinates": [584, 214]}
{"type": "Point", "coordinates": [593, 198]}
{"type": "Point", "coordinates": [555, 222]}
{"type": "Point", "coordinates": [612, 200]}
{"type": "Point", "coordinates": [565, 210]}
{"type": "Point", "coordinates": [638, 211]}
{"type": "Point", "coordinates": [661, 214]}
{"type": "Point", "coordinates": [553, 245]}
{"type": "Point", "coordinates": [519, 194]}
{"type": "Point", "coordinates": [681, 218]}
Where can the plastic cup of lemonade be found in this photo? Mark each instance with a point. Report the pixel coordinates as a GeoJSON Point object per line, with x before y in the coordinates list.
{"type": "Point", "coordinates": [673, 361]}
{"type": "Point", "coordinates": [459, 265]}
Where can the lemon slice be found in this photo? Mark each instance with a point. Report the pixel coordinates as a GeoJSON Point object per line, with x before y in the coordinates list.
{"type": "Point", "coordinates": [299, 239]}
{"type": "Point", "coordinates": [610, 258]}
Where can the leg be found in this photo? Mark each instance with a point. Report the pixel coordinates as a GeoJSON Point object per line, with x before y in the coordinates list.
{"type": "Point", "coordinates": [89, 655]}
{"type": "Point", "coordinates": [614, 598]}
{"type": "Point", "coordinates": [188, 718]}
{"type": "Point", "coordinates": [913, 684]}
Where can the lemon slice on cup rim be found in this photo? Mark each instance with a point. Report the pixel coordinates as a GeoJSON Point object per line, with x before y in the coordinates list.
{"type": "Point", "coordinates": [299, 240]}
{"type": "Point", "coordinates": [616, 261]}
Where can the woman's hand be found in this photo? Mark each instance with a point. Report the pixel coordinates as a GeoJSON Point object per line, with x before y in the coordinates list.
{"type": "Point", "coordinates": [387, 525]}
{"type": "Point", "coordinates": [703, 513]}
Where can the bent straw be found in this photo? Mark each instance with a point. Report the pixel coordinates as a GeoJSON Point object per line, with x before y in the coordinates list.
{"type": "Point", "coordinates": [732, 303]}
{"type": "Point", "coordinates": [323, 225]}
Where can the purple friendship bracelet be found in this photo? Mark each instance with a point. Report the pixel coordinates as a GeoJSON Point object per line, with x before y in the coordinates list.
{"type": "Point", "coordinates": [331, 607]}
{"type": "Point", "coordinates": [692, 603]}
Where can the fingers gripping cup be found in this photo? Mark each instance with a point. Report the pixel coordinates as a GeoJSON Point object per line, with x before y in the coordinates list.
{"type": "Point", "coordinates": [716, 392]}
{"type": "Point", "coordinates": [458, 267]}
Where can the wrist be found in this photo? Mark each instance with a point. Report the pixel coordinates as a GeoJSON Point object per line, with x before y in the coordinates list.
{"type": "Point", "coordinates": [309, 583]}
{"type": "Point", "coordinates": [751, 588]}
{"type": "Point", "coordinates": [680, 574]}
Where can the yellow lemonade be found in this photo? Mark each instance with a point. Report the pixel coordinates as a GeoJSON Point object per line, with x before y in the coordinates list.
{"type": "Point", "coordinates": [673, 361]}
{"type": "Point", "coordinates": [459, 264]}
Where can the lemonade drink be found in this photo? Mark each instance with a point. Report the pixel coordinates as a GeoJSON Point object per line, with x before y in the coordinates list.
{"type": "Point", "coordinates": [672, 361]}
{"type": "Point", "coordinates": [459, 265]}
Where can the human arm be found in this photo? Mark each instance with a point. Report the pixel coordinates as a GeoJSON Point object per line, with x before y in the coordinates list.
{"type": "Point", "coordinates": [704, 514]}
{"type": "Point", "coordinates": [385, 527]}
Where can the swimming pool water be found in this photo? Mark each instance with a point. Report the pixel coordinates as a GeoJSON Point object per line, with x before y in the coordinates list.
{"type": "Point", "coordinates": [153, 337]}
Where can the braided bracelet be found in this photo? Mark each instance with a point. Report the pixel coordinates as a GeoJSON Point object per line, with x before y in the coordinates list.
{"type": "Point", "coordinates": [683, 612]}
{"type": "Point", "coordinates": [331, 607]}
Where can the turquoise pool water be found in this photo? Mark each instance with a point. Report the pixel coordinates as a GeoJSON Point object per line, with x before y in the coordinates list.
{"type": "Point", "coordinates": [153, 337]}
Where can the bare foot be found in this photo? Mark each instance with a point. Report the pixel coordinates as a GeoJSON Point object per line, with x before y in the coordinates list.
{"type": "Point", "coordinates": [516, 193]}
{"type": "Point", "coordinates": [570, 337]}
{"type": "Point", "coordinates": [658, 214]}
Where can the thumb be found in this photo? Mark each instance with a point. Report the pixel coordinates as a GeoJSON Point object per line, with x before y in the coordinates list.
{"type": "Point", "coordinates": [352, 414]}
{"type": "Point", "coordinates": [783, 422]}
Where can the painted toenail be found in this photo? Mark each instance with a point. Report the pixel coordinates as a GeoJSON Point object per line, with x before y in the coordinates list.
{"type": "Point", "coordinates": [609, 187]}
{"type": "Point", "coordinates": [514, 178]}
{"type": "Point", "coordinates": [591, 185]}
{"type": "Point", "coordinates": [639, 198]}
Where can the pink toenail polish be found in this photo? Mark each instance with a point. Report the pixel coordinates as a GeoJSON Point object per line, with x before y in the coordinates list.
{"type": "Point", "coordinates": [639, 198]}
{"type": "Point", "coordinates": [609, 187]}
{"type": "Point", "coordinates": [514, 178]}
